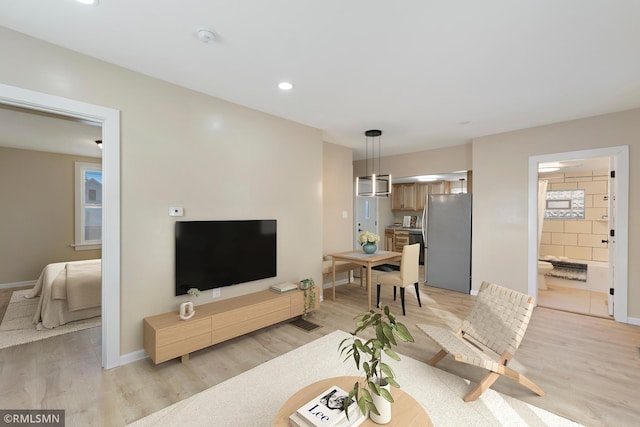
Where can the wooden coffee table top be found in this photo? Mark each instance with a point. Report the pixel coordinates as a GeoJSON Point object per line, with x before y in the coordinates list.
{"type": "Point", "coordinates": [405, 411]}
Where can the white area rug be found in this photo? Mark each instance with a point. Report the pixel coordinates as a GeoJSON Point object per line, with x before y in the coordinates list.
{"type": "Point", "coordinates": [254, 397]}
{"type": "Point", "coordinates": [17, 327]}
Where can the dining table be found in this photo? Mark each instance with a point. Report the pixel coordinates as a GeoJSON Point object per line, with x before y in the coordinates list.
{"type": "Point", "coordinates": [366, 260]}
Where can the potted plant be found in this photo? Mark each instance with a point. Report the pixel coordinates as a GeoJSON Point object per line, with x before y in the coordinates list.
{"type": "Point", "coordinates": [194, 292]}
{"type": "Point", "coordinates": [368, 241]}
{"type": "Point", "coordinates": [308, 287]}
{"type": "Point", "coordinates": [372, 393]}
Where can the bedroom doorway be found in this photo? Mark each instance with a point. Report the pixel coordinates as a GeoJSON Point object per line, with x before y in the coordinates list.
{"type": "Point", "coordinates": [110, 121]}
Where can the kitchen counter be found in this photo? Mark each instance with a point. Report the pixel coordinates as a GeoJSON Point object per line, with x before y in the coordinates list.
{"type": "Point", "coordinates": [399, 227]}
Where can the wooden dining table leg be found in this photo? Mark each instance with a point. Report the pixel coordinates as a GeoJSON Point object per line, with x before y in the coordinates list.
{"type": "Point", "coordinates": [369, 285]}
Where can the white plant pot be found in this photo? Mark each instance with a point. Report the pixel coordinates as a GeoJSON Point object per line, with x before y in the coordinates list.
{"type": "Point", "coordinates": [383, 406]}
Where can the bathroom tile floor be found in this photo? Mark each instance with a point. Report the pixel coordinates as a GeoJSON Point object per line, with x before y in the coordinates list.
{"type": "Point", "coordinates": [574, 300]}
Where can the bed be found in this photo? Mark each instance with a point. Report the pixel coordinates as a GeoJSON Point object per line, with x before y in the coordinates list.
{"type": "Point", "coordinates": [68, 291]}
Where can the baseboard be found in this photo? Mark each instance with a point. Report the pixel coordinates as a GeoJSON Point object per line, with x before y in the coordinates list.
{"type": "Point", "coordinates": [345, 281]}
{"type": "Point", "coordinates": [633, 321]}
{"type": "Point", "coordinates": [17, 284]}
{"type": "Point", "coordinates": [133, 357]}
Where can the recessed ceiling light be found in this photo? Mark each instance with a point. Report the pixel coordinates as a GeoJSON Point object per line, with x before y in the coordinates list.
{"type": "Point", "coordinates": [285, 86]}
{"type": "Point", "coordinates": [89, 2]}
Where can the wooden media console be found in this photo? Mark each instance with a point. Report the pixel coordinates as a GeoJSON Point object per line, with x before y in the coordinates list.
{"type": "Point", "coordinates": [167, 337]}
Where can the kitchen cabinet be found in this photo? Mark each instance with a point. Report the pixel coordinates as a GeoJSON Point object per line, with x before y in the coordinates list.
{"type": "Point", "coordinates": [403, 197]}
{"type": "Point", "coordinates": [395, 239]}
{"type": "Point", "coordinates": [422, 190]}
{"type": "Point", "coordinates": [412, 196]}
{"type": "Point", "coordinates": [401, 238]}
{"type": "Point", "coordinates": [441, 187]}
{"type": "Point", "coordinates": [388, 239]}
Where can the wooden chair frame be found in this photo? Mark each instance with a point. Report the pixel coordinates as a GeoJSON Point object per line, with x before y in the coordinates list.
{"type": "Point", "coordinates": [497, 322]}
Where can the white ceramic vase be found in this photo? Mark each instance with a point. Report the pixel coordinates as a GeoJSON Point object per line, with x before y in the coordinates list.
{"type": "Point", "coordinates": [383, 406]}
{"type": "Point", "coordinates": [186, 310]}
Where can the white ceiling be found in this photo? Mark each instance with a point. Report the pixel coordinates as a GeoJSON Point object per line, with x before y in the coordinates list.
{"type": "Point", "coordinates": [39, 131]}
{"type": "Point", "coordinates": [428, 73]}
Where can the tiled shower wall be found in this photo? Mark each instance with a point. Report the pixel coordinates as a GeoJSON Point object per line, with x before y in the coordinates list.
{"type": "Point", "coordinates": [579, 238]}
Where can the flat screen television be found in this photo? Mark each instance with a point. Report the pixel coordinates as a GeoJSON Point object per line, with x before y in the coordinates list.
{"type": "Point", "coordinates": [213, 254]}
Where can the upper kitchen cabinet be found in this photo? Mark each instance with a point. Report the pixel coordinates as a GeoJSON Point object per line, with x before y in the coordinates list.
{"type": "Point", "coordinates": [403, 197]}
{"type": "Point", "coordinates": [411, 197]}
{"type": "Point", "coordinates": [422, 189]}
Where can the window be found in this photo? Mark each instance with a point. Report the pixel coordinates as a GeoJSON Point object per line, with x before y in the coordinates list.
{"type": "Point", "coordinates": [565, 204]}
{"type": "Point", "coordinates": [88, 206]}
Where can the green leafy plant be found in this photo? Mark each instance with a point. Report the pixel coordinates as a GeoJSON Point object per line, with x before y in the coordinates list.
{"type": "Point", "coordinates": [308, 287]}
{"type": "Point", "coordinates": [368, 354]}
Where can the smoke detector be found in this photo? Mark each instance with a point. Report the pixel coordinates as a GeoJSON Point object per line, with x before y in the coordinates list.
{"type": "Point", "coordinates": [206, 36]}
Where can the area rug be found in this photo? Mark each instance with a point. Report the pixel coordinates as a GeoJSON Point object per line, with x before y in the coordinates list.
{"type": "Point", "coordinates": [254, 397]}
{"type": "Point", "coordinates": [17, 327]}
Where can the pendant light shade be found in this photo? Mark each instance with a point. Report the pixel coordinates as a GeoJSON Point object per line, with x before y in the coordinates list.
{"type": "Point", "coordinates": [373, 184]}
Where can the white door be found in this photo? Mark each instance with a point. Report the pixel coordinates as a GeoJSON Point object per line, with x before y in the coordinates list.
{"type": "Point", "coordinates": [366, 217]}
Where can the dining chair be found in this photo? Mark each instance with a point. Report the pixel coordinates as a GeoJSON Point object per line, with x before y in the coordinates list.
{"type": "Point", "coordinates": [407, 275]}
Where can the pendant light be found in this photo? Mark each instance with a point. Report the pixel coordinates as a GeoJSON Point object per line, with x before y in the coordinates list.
{"type": "Point", "coordinates": [373, 184]}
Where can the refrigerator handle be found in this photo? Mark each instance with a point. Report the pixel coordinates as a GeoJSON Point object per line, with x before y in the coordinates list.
{"type": "Point", "coordinates": [424, 225]}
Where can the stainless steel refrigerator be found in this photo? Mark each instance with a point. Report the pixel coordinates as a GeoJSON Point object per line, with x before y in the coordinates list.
{"type": "Point", "coordinates": [447, 237]}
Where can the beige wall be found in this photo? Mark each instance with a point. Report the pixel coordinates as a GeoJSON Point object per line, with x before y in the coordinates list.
{"type": "Point", "coordinates": [441, 160]}
{"type": "Point", "coordinates": [500, 187]}
{"type": "Point", "coordinates": [579, 238]}
{"type": "Point", "coordinates": [337, 198]}
{"type": "Point", "coordinates": [37, 226]}
{"type": "Point", "coordinates": [216, 159]}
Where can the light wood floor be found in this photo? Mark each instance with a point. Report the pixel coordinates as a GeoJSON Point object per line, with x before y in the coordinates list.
{"type": "Point", "coordinates": [575, 300]}
{"type": "Point", "coordinates": [589, 367]}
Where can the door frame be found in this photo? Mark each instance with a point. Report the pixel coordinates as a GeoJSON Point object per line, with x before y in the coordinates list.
{"type": "Point", "coordinates": [110, 121]}
{"type": "Point", "coordinates": [620, 158]}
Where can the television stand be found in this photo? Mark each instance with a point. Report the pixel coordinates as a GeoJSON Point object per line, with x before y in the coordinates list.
{"type": "Point", "coordinates": [167, 337]}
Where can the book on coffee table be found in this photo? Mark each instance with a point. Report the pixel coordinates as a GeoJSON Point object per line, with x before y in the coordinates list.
{"type": "Point", "coordinates": [354, 420]}
{"type": "Point", "coordinates": [327, 410]}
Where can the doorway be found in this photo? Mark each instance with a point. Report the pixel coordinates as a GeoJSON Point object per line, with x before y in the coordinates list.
{"type": "Point", "coordinates": [617, 220]}
{"type": "Point", "coordinates": [573, 248]}
{"type": "Point", "coordinates": [110, 120]}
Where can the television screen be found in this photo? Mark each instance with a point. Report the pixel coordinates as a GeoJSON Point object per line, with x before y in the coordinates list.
{"type": "Point", "coordinates": [213, 254]}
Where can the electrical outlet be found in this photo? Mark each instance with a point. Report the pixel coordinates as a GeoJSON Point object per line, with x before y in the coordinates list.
{"type": "Point", "coordinates": [216, 293]}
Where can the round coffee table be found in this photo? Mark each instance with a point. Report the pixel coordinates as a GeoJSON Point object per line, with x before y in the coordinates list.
{"type": "Point", "coordinates": [405, 411]}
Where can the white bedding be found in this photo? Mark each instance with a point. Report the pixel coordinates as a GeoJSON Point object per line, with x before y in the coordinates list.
{"type": "Point", "coordinates": [55, 312]}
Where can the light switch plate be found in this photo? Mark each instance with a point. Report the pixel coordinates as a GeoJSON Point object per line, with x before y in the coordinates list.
{"type": "Point", "coordinates": [177, 211]}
